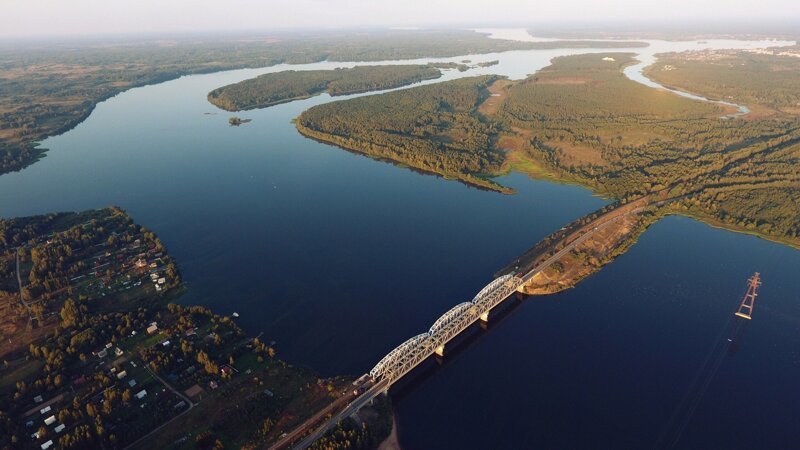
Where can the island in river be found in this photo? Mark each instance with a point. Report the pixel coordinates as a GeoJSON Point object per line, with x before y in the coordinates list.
{"type": "Point", "coordinates": [46, 92]}
{"type": "Point", "coordinates": [280, 87]}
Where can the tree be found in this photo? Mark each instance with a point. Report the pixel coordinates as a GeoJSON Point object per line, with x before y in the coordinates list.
{"type": "Point", "coordinates": [70, 314]}
{"type": "Point", "coordinates": [38, 311]}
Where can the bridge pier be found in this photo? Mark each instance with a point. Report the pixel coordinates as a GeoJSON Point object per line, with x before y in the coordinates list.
{"type": "Point", "coordinates": [439, 351]}
{"type": "Point", "coordinates": [485, 317]}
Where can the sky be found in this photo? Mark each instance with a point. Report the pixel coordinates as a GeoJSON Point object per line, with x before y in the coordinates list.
{"type": "Point", "coordinates": [41, 18]}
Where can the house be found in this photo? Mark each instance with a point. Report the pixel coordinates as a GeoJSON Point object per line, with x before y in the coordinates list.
{"type": "Point", "coordinates": [131, 383]}
{"type": "Point", "coordinates": [152, 328]}
{"type": "Point", "coordinates": [122, 375]}
{"type": "Point", "coordinates": [608, 58]}
{"type": "Point", "coordinates": [59, 428]}
{"type": "Point", "coordinates": [141, 394]}
{"type": "Point", "coordinates": [47, 444]}
{"type": "Point", "coordinates": [180, 404]}
{"type": "Point", "coordinates": [102, 353]}
{"type": "Point", "coordinates": [50, 420]}
{"type": "Point", "coordinates": [213, 384]}
{"type": "Point", "coordinates": [226, 370]}
{"type": "Point", "coordinates": [118, 351]}
{"type": "Point", "coordinates": [165, 343]}
{"type": "Point", "coordinates": [193, 391]}
{"type": "Point", "coordinates": [45, 410]}
{"type": "Point", "coordinates": [162, 280]}
{"type": "Point", "coordinates": [37, 399]}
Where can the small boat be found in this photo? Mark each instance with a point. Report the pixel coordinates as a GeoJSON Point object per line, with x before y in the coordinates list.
{"type": "Point", "coordinates": [235, 314]}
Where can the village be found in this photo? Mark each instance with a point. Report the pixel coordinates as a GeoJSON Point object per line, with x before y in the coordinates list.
{"type": "Point", "coordinates": [100, 357]}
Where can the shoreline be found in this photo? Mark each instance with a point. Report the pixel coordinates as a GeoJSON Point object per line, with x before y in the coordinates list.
{"type": "Point", "coordinates": [391, 442]}
{"type": "Point", "coordinates": [472, 181]}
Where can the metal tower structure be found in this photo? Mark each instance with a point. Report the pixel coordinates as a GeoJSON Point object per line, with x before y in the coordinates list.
{"type": "Point", "coordinates": [749, 300]}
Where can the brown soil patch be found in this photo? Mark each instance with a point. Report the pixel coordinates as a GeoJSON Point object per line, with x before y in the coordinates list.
{"type": "Point", "coordinates": [562, 80]}
{"type": "Point", "coordinates": [497, 95]}
{"type": "Point", "coordinates": [578, 155]}
{"type": "Point", "coordinates": [511, 142]}
{"type": "Point", "coordinates": [582, 261]}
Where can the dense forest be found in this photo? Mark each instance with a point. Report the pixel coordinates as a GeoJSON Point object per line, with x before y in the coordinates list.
{"type": "Point", "coordinates": [587, 121]}
{"type": "Point", "coordinates": [431, 128]}
{"type": "Point", "coordinates": [754, 79]}
{"type": "Point", "coordinates": [280, 87]}
{"type": "Point", "coordinates": [45, 91]}
{"type": "Point", "coordinates": [583, 120]}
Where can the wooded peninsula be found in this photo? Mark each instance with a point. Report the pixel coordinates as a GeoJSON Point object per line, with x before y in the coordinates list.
{"type": "Point", "coordinates": [582, 120]}
{"type": "Point", "coordinates": [47, 91]}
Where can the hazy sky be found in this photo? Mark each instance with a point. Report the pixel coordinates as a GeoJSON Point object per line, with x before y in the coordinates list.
{"type": "Point", "coordinates": [32, 18]}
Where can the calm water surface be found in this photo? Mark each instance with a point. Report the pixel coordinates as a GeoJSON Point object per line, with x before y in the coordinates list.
{"type": "Point", "coordinates": [339, 258]}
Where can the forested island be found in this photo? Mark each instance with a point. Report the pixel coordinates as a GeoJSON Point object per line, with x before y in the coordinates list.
{"type": "Point", "coordinates": [47, 91]}
{"type": "Point", "coordinates": [582, 120]}
{"type": "Point", "coordinates": [95, 354]}
{"type": "Point", "coordinates": [281, 87]}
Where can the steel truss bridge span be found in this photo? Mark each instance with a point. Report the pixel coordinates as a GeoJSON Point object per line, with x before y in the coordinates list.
{"type": "Point", "coordinates": [412, 352]}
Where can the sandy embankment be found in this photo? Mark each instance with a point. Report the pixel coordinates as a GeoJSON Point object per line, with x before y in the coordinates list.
{"type": "Point", "coordinates": [391, 442]}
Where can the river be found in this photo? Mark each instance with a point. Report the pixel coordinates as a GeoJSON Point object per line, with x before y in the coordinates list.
{"type": "Point", "coordinates": [339, 258]}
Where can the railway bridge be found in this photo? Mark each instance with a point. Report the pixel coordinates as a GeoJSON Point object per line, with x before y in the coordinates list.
{"type": "Point", "coordinates": [411, 353]}
{"type": "Point", "coordinates": [414, 351]}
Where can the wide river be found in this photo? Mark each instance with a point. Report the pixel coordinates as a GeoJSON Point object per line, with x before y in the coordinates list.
{"type": "Point", "coordinates": [339, 258]}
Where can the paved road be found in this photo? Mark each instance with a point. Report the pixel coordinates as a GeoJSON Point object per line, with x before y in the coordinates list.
{"type": "Point", "coordinates": [362, 400]}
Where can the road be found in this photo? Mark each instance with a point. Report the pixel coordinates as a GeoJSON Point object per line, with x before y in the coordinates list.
{"type": "Point", "coordinates": [367, 396]}
{"type": "Point", "coordinates": [571, 246]}
{"type": "Point", "coordinates": [19, 282]}
{"type": "Point", "coordinates": [355, 403]}
{"type": "Point", "coordinates": [174, 391]}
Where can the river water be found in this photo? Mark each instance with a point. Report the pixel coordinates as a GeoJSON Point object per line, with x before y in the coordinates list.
{"type": "Point", "coordinates": [339, 258]}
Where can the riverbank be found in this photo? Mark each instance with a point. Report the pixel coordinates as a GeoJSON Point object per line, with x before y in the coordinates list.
{"type": "Point", "coordinates": [391, 442]}
{"type": "Point", "coordinates": [99, 317]}
{"type": "Point", "coordinates": [358, 147]}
